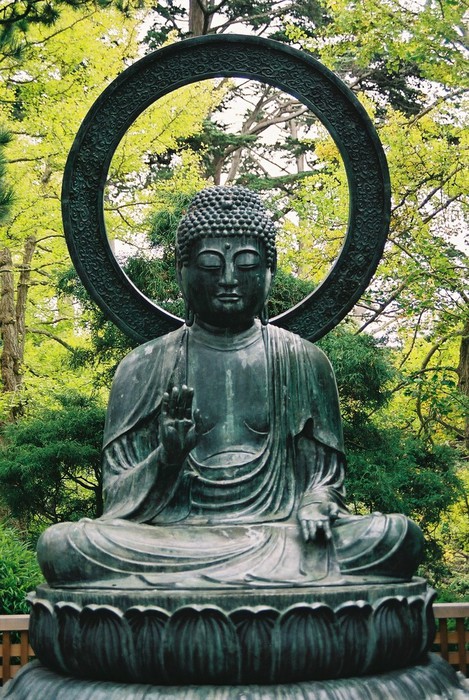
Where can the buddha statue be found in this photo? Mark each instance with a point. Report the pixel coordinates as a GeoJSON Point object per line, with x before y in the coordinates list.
{"type": "Point", "coordinates": [223, 450]}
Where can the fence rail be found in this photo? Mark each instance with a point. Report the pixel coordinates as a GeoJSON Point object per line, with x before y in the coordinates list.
{"type": "Point", "coordinates": [15, 650]}
{"type": "Point", "coordinates": [452, 644]}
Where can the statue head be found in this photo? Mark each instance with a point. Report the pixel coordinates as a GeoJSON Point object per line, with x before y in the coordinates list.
{"type": "Point", "coordinates": [226, 256]}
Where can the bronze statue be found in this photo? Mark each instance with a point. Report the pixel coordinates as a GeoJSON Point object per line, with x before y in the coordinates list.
{"type": "Point", "coordinates": [223, 453]}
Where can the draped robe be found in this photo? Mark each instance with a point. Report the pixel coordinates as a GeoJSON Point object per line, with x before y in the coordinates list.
{"type": "Point", "coordinates": [196, 526]}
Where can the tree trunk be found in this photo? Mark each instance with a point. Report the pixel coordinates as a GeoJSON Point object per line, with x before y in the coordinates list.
{"type": "Point", "coordinates": [12, 319]}
{"type": "Point", "coordinates": [196, 18]}
{"type": "Point", "coordinates": [10, 351]}
{"type": "Point", "coordinates": [463, 372]}
{"type": "Point", "coordinates": [22, 293]}
{"type": "Point", "coordinates": [300, 157]}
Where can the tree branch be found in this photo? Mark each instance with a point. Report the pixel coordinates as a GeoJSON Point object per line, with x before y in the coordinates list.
{"type": "Point", "coordinates": [440, 185]}
{"type": "Point", "coordinates": [438, 101]}
{"type": "Point", "coordinates": [386, 303]}
{"type": "Point", "coordinates": [444, 206]}
{"type": "Point", "coordinates": [48, 334]}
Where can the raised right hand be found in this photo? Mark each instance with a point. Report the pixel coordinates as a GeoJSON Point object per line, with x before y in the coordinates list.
{"type": "Point", "coordinates": [179, 429]}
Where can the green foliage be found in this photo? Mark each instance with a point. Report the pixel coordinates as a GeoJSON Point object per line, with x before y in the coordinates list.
{"type": "Point", "coordinates": [363, 370]}
{"type": "Point", "coordinates": [106, 345]}
{"type": "Point", "coordinates": [19, 571]}
{"type": "Point", "coordinates": [389, 469]}
{"type": "Point", "coordinates": [213, 142]}
{"type": "Point", "coordinates": [6, 193]}
{"type": "Point", "coordinates": [456, 590]}
{"type": "Point", "coordinates": [44, 97]}
{"type": "Point", "coordinates": [452, 536]}
{"type": "Point", "coordinates": [287, 290]}
{"type": "Point", "coordinates": [50, 463]}
{"type": "Point", "coordinates": [390, 472]}
{"type": "Point", "coordinates": [17, 16]}
{"type": "Point", "coordinates": [379, 43]}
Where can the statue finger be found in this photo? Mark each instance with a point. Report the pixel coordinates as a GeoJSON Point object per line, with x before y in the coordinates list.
{"type": "Point", "coordinates": [180, 407]}
{"type": "Point", "coordinates": [312, 530]}
{"type": "Point", "coordinates": [173, 402]}
{"type": "Point", "coordinates": [326, 527]}
{"type": "Point", "coordinates": [187, 402]}
{"type": "Point", "coordinates": [198, 422]}
{"type": "Point", "coordinates": [165, 403]}
{"type": "Point", "coordinates": [305, 529]}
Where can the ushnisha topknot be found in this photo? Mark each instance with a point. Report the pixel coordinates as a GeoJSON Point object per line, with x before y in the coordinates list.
{"type": "Point", "coordinates": [225, 211]}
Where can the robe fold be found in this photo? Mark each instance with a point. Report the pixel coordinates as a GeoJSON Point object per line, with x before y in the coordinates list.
{"type": "Point", "coordinates": [302, 390]}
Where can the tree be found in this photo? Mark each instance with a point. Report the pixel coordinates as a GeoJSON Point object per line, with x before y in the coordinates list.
{"type": "Point", "coordinates": [413, 84]}
{"type": "Point", "coordinates": [389, 469]}
{"type": "Point", "coordinates": [13, 316]}
{"type": "Point", "coordinates": [11, 321]}
{"type": "Point", "coordinates": [408, 64]}
{"type": "Point", "coordinates": [29, 89]}
{"type": "Point", "coordinates": [50, 463]}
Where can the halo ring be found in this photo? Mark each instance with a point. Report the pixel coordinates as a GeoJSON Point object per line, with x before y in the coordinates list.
{"type": "Point", "coordinates": [213, 56]}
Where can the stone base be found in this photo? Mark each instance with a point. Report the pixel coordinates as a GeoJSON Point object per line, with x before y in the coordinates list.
{"type": "Point", "coordinates": [432, 680]}
{"type": "Point", "coordinates": [230, 637]}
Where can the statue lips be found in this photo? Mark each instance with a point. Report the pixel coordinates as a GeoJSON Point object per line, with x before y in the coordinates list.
{"type": "Point", "coordinates": [230, 298]}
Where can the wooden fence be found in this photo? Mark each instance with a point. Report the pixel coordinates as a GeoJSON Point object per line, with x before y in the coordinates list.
{"type": "Point", "coordinates": [14, 645]}
{"type": "Point", "coordinates": [452, 644]}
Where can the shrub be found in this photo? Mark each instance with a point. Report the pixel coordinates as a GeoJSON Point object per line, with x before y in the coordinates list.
{"type": "Point", "coordinates": [19, 571]}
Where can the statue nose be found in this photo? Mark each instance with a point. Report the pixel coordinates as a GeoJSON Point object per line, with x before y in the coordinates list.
{"type": "Point", "coordinates": [228, 277]}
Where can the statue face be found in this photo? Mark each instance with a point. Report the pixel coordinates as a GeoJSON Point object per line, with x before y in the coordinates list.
{"type": "Point", "coordinates": [227, 280]}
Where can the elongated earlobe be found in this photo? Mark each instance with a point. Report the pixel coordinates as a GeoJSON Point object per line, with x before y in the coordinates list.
{"type": "Point", "coordinates": [264, 315]}
{"type": "Point", "coordinates": [189, 315]}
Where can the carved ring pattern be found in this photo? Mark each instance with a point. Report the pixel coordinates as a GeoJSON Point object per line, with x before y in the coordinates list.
{"type": "Point", "coordinates": [197, 59]}
{"type": "Point", "coordinates": [203, 644]}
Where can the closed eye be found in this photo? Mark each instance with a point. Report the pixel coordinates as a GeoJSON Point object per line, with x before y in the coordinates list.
{"type": "Point", "coordinates": [209, 261]}
{"type": "Point", "coordinates": [247, 260]}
